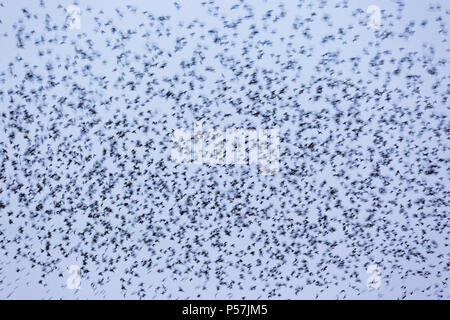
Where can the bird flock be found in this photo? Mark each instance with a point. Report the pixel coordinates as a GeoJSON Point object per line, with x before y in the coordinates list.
{"type": "Point", "coordinates": [86, 120]}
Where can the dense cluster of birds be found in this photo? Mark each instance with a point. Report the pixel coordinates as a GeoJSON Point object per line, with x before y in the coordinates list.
{"type": "Point", "coordinates": [86, 178]}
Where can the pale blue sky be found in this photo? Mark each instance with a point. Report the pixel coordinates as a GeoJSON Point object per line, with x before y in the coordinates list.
{"type": "Point", "coordinates": [362, 42]}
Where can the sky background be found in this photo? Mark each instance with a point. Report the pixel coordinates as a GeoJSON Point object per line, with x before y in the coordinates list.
{"type": "Point", "coordinates": [19, 279]}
